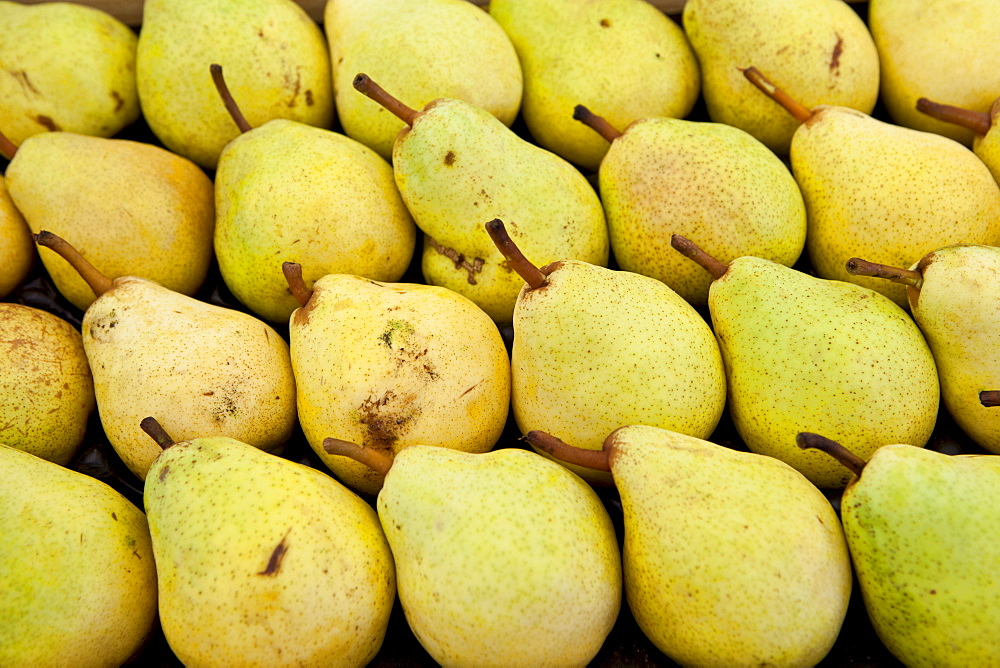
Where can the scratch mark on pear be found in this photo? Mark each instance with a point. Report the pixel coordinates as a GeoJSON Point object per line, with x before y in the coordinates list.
{"type": "Point", "coordinates": [473, 268]}
{"type": "Point", "coordinates": [277, 556]}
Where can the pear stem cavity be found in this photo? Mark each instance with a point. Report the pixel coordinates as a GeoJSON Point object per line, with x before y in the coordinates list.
{"type": "Point", "coordinates": [977, 121]}
{"type": "Point", "coordinates": [293, 274]}
{"type": "Point", "coordinates": [989, 398]}
{"type": "Point", "coordinates": [97, 281]}
{"type": "Point", "coordinates": [591, 459]}
{"type": "Point", "coordinates": [515, 258]}
{"type": "Point", "coordinates": [858, 267]}
{"type": "Point", "coordinates": [799, 111]}
{"type": "Point", "coordinates": [806, 440]}
{"type": "Point", "coordinates": [690, 249]}
{"type": "Point", "coordinates": [227, 98]}
{"type": "Point", "coordinates": [598, 123]}
{"type": "Point", "coordinates": [377, 461]}
{"type": "Point", "coordinates": [156, 432]}
{"type": "Point", "coordinates": [7, 147]}
{"type": "Point", "coordinates": [364, 84]}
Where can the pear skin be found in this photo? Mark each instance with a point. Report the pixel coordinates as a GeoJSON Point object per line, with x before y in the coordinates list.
{"type": "Point", "coordinates": [17, 250]}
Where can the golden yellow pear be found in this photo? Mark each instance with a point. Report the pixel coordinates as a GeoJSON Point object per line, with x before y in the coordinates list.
{"type": "Point", "coordinates": [17, 250]}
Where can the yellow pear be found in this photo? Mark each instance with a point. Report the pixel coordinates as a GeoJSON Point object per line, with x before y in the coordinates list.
{"type": "Point", "coordinates": [17, 250]}
{"type": "Point", "coordinates": [984, 126]}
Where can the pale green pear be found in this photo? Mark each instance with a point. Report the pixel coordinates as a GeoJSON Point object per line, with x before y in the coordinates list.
{"type": "Point", "coordinates": [986, 136]}
{"type": "Point", "coordinates": [624, 59]}
{"type": "Point", "coordinates": [421, 51]}
{"type": "Point", "coordinates": [77, 577]}
{"type": "Point", "coordinates": [17, 250]}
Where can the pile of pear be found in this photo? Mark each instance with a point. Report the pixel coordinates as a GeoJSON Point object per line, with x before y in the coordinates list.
{"type": "Point", "coordinates": [700, 305]}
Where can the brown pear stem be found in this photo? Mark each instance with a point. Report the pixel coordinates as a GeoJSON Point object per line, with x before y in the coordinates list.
{"type": "Point", "coordinates": [97, 281]}
{"type": "Point", "coordinates": [591, 459]}
{"type": "Point", "coordinates": [858, 267]}
{"type": "Point", "coordinates": [364, 84]}
{"type": "Point", "coordinates": [156, 432]}
{"type": "Point", "coordinates": [690, 249]}
{"type": "Point", "coordinates": [806, 440]}
{"type": "Point", "coordinates": [989, 398]}
{"type": "Point", "coordinates": [598, 123]}
{"type": "Point", "coordinates": [377, 461]}
{"type": "Point", "coordinates": [227, 98]}
{"type": "Point", "coordinates": [515, 258]}
{"type": "Point", "coordinates": [7, 147]}
{"type": "Point", "coordinates": [293, 274]}
{"type": "Point", "coordinates": [796, 109]}
{"type": "Point", "coordinates": [977, 121]}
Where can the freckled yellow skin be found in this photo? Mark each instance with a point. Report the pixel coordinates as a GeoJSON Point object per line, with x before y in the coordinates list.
{"type": "Point", "coordinates": [77, 577]}
{"type": "Point", "coordinates": [931, 192]}
{"type": "Point", "coordinates": [828, 357]}
{"type": "Point", "coordinates": [922, 538]}
{"type": "Point", "coordinates": [725, 562]}
{"type": "Point", "coordinates": [218, 509]}
{"type": "Point", "coordinates": [390, 365]}
{"type": "Point", "coordinates": [503, 558]}
{"type": "Point", "coordinates": [987, 146]}
{"type": "Point", "coordinates": [132, 209]}
{"type": "Point", "coordinates": [195, 367]}
{"type": "Point", "coordinates": [17, 250]}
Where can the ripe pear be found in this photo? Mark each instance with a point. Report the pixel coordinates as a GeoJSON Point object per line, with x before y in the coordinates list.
{"type": "Point", "coordinates": [820, 51]}
{"type": "Point", "coordinates": [730, 558]}
{"type": "Point", "coordinates": [263, 561]}
{"type": "Point", "coordinates": [390, 365]}
{"type": "Point", "coordinates": [274, 53]}
{"type": "Point", "coordinates": [17, 250]}
{"type": "Point", "coordinates": [211, 370]}
{"type": "Point", "coordinates": [68, 67]}
{"type": "Point", "coordinates": [806, 353]}
{"type": "Point", "coordinates": [503, 558]}
{"type": "Point", "coordinates": [421, 51]}
{"type": "Point", "coordinates": [921, 537]}
{"type": "Point", "coordinates": [986, 136]}
{"type": "Point", "coordinates": [77, 577]}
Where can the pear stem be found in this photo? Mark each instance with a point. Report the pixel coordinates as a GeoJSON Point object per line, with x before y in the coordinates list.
{"type": "Point", "coordinates": [598, 123]}
{"type": "Point", "coordinates": [689, 249]}
{"type": "Point", "coordinates": [989, 398]}
{"type": "Point", "coordinates": [858, 267]}
{"type": "Point", "coordinates": [156, 432]}
{"type": "Point", "coordinates": [364, 84]}
{"type": "Point", "coordinates": [806, 440]}
{"type": "Point", "coordinates": [591, 459]}
{"type": "Point", "coordinates": [977, 121]}
{"type": "Point", "coordinates": [7, 147]}
{"type": "Point", "coordinates": [97, 281]}
{"type": "Point", "coordinates": [293, 274]}
{"type": "Point", "coordinates": [515, 258]}
{"type": "Point", "coordinates": [377, 461]}
{"type": "Point", "coordinates": [227, 98]}
{"type": "Point", "coordinates": [796, 109]}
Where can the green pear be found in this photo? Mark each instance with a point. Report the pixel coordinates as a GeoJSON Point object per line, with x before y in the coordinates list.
{"type": "Point", "coordinates": [730, 558]}
{"type": "Point", "coordinates": [986, 136]}
{"type": "Point", "coordinates": [17, 250]}
{"type": "Point", "coordinates": [263, 561]}
{"type": "Point", "coordinates": [68, 67]}
{"type": "Point", "coordinates": [503, 558]}
{"type": "Point", "coordinates": [820, 51]}
{"type": "Point", "coordinates": [288, 191]}
{"type": "Point", "coordinates": [77, 577]}
{"type": "Point", "coordinates": [920, 529]}
{"type": "Point", "coordinates": [807, 353]}
{"type": "Point", "coordinates": [710, 182]}
{"type": "Point", "coordinates": [274, 53]}
{"type": "Point", "coordinates": [625, 59]}
{"type": "Point", "coordinates": [390, 365]}
{"type": "Point", "coordinates": [421, 51]}
{"type": "Point", "coordinates": [211, 370]}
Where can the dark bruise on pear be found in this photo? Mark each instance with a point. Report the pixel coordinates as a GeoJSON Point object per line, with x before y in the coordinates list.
{"type": "Point", "coordinates": [800, 112]}
{"type": "Point", "coordinates": [155, 430]}
{"type": "Point", "coordinates": [515, 258]}
{"type": "Point", "coordinates": [375, 460]}
{"type": "Point", "coordinates": [364, 84]}
{"type": "Point", "coordinates": [97, 281]}
{"type": "Point", "coordinates": [598, 460]}
{"type": "Point", "coordinates": [595, 122]}
{"type": "Point", "coordinates": [807, 441]}
{"type": "Point", "coordinates": [227, 98]}
{"type": "Point", "coordinates": [977, 121]}
{"type": "Point", "coordinates": [858, 267]}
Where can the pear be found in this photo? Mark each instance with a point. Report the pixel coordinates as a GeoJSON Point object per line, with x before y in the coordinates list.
{"type": "Point", "coordinates": [77, 577]}
{"type": "Point", "coordinates": [986, 136]}
{"type": "Point", "coordinates": [390, 365]}
{"type": "Point", "coordinates": [212, 370]}
{"type": "Point", "coordinates": [806, 353]}
{"type": "Point", "coordinates": [422, 51]}
{"type": "Point", "coordinates": [68, 67]}
{"type": "Point", "coordinates": [457, 167]}
{"type": "Point", "coordinates": [820, 51]}
{"type": "Point", "coordinates": [274, 53]}
{"type": "Point", "coordinates": [624, 59]}
{"type": "Point", "coordinates": [595, 349]}
{"type": "Point", "coordinates": [17, 250]}
{"type": "Point", "coordinates": [883, 192]}
{"type": "Point", "coordinates": [730, 558]}
{"type": "Point", "coordinates": [710, 182]}
{"type": "Point", "coordinates": [502, 558]}
{"type": "Point", "coordinates": [288, 191]}
{"type": "Point", "coordinates": [922, 542]}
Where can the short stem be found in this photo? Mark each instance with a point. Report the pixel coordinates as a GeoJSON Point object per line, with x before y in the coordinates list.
{"type": "Point", "coordinates": [690, 249]}
{"type": "Point", "coordinates": [977, 121]}
{"type": "Point", "coordinates": [227, 98]}
{"type": "Point", "coordinates": [515, 258]}
{"type": "Point", "coordinates": [377, 461]}
{"type": "Point", "coordinates": [807, 440]}
{"type": "Point", "coordinates": [989, 398]}
{"type": "Point", "coordinates": [293, 274]}
{"type": "Point", "coordinates": [156, 432]}
{"type": "Point", "coordinates": [97, 281]}
{"type": "Point", "coordinates": [591, 459]}
{"type": "Point", "coordinates": [7, 147]}
{"type": "Point", "coordinates": [598, 123]}
{"type": "Point", "coordinates": [799, 111]}
{"type": "Point", "coordinates": [858, 267]}
{"type": "Point", "coordinates": [364, 84]}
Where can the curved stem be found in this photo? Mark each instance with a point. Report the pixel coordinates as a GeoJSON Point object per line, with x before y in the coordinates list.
{"type": "Point", "coordinates": [7, 147]}
{"type": "Point", "coordinates": [97, 281]}
{"type": "Point", "coordinates": [377, 461]}
{"type": "Point", "coordinates": [364, 84]}
{"type": "Point", "coordinates": [156, 432]}
{"type": "Point", "coordinates": [227, 98]}
{"type": "Point", "coordinates": [598, 123]}
{"type": "Point", "coordinates": [806, 440]}
{"type": "Point", "coordinates": [293, 274]}
{"type": "Point", "coordinates": [515, 258]}
{"type": "Point", "coordinates": [690, 249]}
{"type": "Point", "coordinates": [977, 121]}
{"type": "Point", "coordinates": [989, 398]}
{"type": "Point", "coordinates": [858, 267]}
{"type": "Point", "coordinates": [591, 459]}
{"type": "Point", "coordinates": [796, 109]}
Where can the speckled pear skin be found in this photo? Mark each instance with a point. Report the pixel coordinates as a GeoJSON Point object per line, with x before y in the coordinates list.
{"type": "Point", "coordinates": [17, 250]}
{"type": "Point", "coordinates": [711, 183]}
{"type": "Point", "coordinates": [85, 586]}
{"type": "Point", "coordinates": [932, 192]}
{"type": "Point", "coordinates": [828, 357]}
{"type": "Point", "coordinates": [712, 533]}
{"type": "Point", "coordinates": [987, 146]}
{"type": "Point", "coordinates": [503, 558]}
{"type": "Point", "coordinates": [596, 349]}
{"type": "Point", "coordinates": [922, 538]}
{"type": "Point", "coordinates": [263, 561]}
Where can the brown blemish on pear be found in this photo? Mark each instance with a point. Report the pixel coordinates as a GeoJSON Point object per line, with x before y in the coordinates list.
{"type": "Point", "coordinates": [461, 262]}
